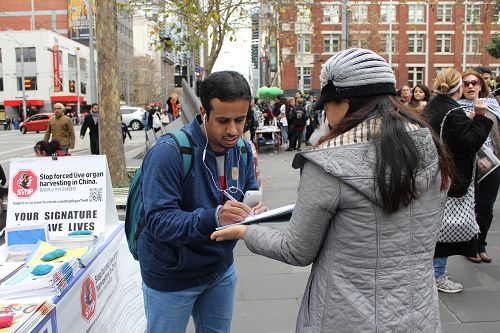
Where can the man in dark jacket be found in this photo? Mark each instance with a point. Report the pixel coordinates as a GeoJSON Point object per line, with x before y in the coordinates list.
{"type": "Point", "coordinates": [184, 272]}
{"type": "Point", "coordinates": [91, 121]}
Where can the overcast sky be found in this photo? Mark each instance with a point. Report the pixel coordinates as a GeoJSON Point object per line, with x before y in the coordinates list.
{"type": "Point", "coordinates": [236, 55]}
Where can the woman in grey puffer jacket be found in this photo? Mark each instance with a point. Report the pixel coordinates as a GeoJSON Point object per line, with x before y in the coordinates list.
{"type": "Point", "coordinates": [368, 209]}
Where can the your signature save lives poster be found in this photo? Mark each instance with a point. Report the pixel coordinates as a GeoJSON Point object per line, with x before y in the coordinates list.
{"type": "Point", "coordinates": [68, 194]}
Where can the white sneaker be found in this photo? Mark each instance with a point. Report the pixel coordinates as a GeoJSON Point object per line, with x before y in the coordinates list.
{"type": "Point", "coordinates": [445, 285]}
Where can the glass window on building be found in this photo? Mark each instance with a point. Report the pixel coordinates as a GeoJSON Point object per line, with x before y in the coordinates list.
{"type": "Point", "coordinates": [472, 43]}
{"type": "Point", "coordinates": [71, 61]}
{"type": "Point", "coordinates": [443, 43]}
{"type": "Point", "coordinates": [0, 56]}
{"type": "Point", "coordinates": [444, 13]}
{"type": "Point", "coordinates": [307, 78]}
{"type": "Point", "coordinates": [472, 13]}
{"type": "Point", "coordinates": [416, 13]}
{"type": "Point", "coordinates": [358, 41]}
{"type": "Point", "coordinates": [387, 13]}
{"type": "Point", "coordinates": [440, 68]}
{"type": "Point", "coordinates": [331, 43]}
{"type": "Point", "coordinates": [415, 75]}
{"type": "Point", "coordinates": [83, 64]}
{"type": "Point", "coordinates": [359, 13]}
{"type": "Point", "coordinates": [29, 83]}
{"type": "Point", "coordinates": [307, 43]}
{"type": "Point", "coordinates": [29, 54]}
{"type": "Point", "coordinates": [384, 43]}
{"type": "Point", "coordinates": [415, 43]}
{"type": "Point", "coordinates": [495, 71]}
{"type": "Point", "coordinates": [331, 14]}
{"type": "Point", "coordinates": [1, 83]}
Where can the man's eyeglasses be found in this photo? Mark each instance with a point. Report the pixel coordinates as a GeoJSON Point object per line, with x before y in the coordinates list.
{"type": "Point", "coordinates": [58, 108]}
{"type": "Point", "coordinates": [473, 82]}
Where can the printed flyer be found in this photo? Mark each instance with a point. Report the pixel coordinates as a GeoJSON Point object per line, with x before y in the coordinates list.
{"type": "Point", "coordinates": [68, 194]}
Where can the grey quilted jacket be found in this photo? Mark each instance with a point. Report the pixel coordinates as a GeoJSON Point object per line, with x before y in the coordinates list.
{"type": "Point", "coordinates": [371, 272]}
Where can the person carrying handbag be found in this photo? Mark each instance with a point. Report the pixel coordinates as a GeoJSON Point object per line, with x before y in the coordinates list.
{"type": "Point", "coordinates": [463, 136]}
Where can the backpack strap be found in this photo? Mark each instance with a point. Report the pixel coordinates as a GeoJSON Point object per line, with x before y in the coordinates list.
{"type": "Point", "coordinates": [185, 145]}
{"type": "Point", "coordinates": [243, 149]}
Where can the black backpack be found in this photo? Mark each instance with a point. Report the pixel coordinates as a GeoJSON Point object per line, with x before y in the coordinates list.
{"type": "Point", "coordinates": [300, 117]}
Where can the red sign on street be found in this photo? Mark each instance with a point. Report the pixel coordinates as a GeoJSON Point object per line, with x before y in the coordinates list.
{"type": "Point", "coordinates": [88, 298]}
{"type": "Point", "coordinates": [55, 65]}
{"type": "Point", "coordinates": [24, 184]}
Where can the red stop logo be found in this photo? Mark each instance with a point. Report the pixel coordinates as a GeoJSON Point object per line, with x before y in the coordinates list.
{"type": "Point", "coordinates": [88, 298]}
{"type": "Point", "coordinates": [24, 184]}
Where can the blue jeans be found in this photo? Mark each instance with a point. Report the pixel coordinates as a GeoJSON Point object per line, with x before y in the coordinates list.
{"type": "Point", "coordinates": [210, 304]}
{"type": "Point", "coordinates": [284, 134]}
{"type": "Point", "coordinates": [439, 266]}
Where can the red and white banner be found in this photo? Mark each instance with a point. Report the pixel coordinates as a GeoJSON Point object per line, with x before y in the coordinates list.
{"type": "Point", "coordinates": [55, 65]}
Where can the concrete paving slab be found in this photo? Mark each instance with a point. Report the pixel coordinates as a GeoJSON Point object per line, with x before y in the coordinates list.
{"type": "Point", "coordinates": [474, 306]}
{"type": "Point", "coordinates": [266, 316]}
{"type": "Point", "coordinates": [468, 328]}
{"type": "Point", "coordinates": [447, 317]}
{"type": "Point", "coordinates": [261, 265]}
{"type": "Point", "coordinates": [271, 286]}
{"type": "Point", "coordinates": [474, 279]}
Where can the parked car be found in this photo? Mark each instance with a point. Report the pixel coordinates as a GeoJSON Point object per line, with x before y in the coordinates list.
{"type": "Point", "coordinates": [36, 123]}
{"type": "Point", "coordinates": [133, 117]}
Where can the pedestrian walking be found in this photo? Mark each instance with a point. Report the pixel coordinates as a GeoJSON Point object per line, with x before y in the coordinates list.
{"type": "Point", "coordinates": [463, 136]}
{"type": "Point", "coordinates": [125, 131]}
{"type": "Point", "coordinates": [91, 122]}
{"type": "Point", "coordinates": [60, 128]}
{"type": "Point", "coordinates": [184, 273]}
{"type": "Point", "coordinates": [475, 87]}
{"type": "Point", "coordinates": [368, 208]}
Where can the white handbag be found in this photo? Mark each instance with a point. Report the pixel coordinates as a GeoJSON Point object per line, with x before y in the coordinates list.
{"type": "Point", "coordinates": [459, 215]}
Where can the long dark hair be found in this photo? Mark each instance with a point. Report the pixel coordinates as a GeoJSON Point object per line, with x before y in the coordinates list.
{"type": "Point", "coordinates": [423, 87]}
{"type": "Point", "coordinates": [397, 154]}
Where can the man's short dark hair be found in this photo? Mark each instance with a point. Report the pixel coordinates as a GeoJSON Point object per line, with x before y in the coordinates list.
{"type": "Point", "coordinates": [482, 69]}
{"type": "Point", "coordinates": [227, 86]}
{"type": "Point", "coordinates": [94, 104]}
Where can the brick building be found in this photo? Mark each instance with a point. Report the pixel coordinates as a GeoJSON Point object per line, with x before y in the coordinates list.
{"type": "Point", "coordinates": [319, 25]}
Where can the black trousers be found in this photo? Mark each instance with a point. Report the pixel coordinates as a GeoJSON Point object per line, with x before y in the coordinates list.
{"type": "Point", "coordinates": [486, 195]}
{"type": "Point", "coordinates": [94, 144]}
{"type": "Point", "coordinates": [309, 131]}
{"type": "Point", "coordinates": [296, 138]}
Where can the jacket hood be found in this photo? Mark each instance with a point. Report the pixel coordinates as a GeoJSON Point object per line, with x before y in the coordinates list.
{"type": "Point", "coordinates": [355, 164]}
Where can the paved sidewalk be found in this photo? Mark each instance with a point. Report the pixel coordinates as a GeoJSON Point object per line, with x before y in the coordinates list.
{"type": "Point", "coordinates": [269, 292]}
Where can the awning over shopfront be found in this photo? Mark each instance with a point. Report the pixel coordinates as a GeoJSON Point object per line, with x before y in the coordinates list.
{"type": "Point", "coordinates": [19, 102]}
{"type": "Point", "coordinates": [66, 98]}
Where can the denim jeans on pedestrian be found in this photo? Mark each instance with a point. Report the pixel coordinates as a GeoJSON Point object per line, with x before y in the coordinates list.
{"type": "Point", "coordinates": [284, 134]}
{"type": "Point", "coordinates": [210, 304]}
{"type": "Point", "coordinates": [439, 266]}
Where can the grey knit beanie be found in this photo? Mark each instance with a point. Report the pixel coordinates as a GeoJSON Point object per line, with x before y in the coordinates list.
{"type": "Point", "coordinates": [355, 73]}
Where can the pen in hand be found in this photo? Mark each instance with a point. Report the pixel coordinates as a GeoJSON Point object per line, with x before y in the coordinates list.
{"type": "Point", "coordinates": [229, 196]}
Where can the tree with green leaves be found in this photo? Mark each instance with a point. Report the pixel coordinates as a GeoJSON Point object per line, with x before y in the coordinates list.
{"type": "Point", "coordinates": [493, 47]}
{"type": "Point", "coordinates": [189, 24]}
